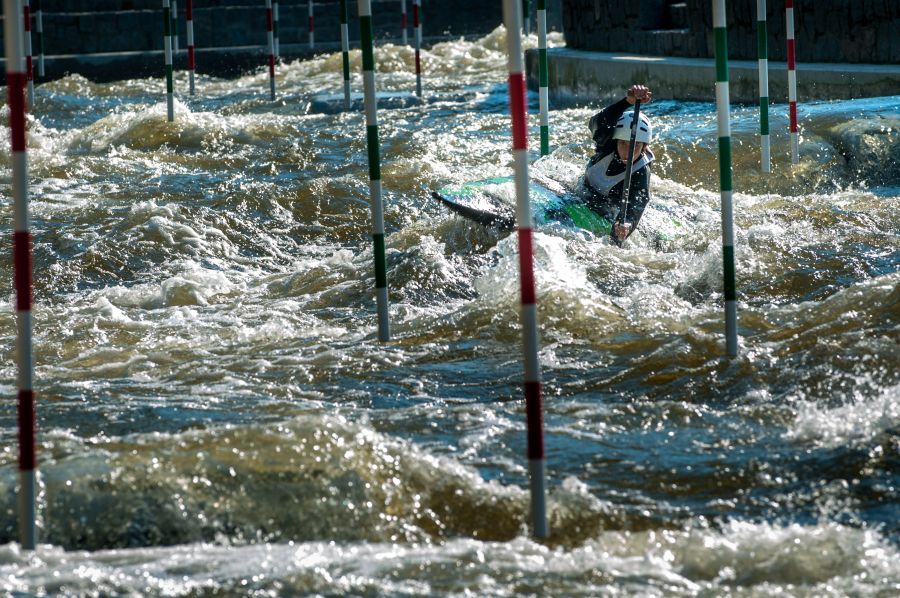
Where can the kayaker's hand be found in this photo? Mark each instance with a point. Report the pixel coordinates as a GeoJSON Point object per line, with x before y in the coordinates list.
{"type": "Point", "coordinates": [639, 93]}
{"type": "Point", "coordinates": [621, 231]}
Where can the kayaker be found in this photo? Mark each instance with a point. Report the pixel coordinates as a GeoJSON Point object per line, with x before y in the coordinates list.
{"type": "Point", "coordinates": [605, 175]}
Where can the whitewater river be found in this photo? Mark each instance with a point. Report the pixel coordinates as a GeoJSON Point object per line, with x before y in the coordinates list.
{"type": "Point", "coordinates": [216, 416]}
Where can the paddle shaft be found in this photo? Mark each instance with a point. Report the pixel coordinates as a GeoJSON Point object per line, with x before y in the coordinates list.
{"type": "Point", "coordinates": [629, 162]}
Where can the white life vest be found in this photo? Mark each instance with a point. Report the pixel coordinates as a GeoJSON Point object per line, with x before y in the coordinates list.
{"type": "Point", "coordinates": [602, 183]}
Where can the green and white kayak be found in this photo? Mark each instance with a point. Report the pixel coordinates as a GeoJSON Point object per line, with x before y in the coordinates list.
{"type": "Point", "coordinates": [490, 202]}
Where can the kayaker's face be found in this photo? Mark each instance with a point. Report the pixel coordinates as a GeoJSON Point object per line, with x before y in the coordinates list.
{"type": "Point", "coordinates": [622, 149]}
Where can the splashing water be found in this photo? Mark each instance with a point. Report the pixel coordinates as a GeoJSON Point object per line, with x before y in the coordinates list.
{"type": "Point", "coordinates": [216, 416]}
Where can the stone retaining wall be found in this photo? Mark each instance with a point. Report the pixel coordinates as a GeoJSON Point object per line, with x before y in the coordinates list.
{"type": "Point", "coordinates": [95, 26]}
{"type": "Point", "coordinates": [841, 31]}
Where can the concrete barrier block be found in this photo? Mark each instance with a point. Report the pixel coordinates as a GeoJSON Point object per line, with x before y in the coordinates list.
{"type": "Point", "coordinates": [87, 23]}
{"type": "Point", "coordinates": [895, 48]}
{"type": "Point", "coordinates": [679, 17]}
{"type": "Point", "coordinates": [883, 35]}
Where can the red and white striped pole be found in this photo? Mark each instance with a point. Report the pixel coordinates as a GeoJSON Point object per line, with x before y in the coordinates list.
{"type": "Point", "coordinates": [189, 18]}
{"type": "Point", "coordinates": [403, 24]}
{"type": "Point", "coordinates": [417, 26]}
{"type": "Point", "coordinates": [29, 62]}
{"type": "Point", "coordinates": [15, 84]}
{"type": "Point", "coordinates": [312, 26]}
{"type": "Point", "coordinates": [271, 38]}
{"type": "Point", "coordinates": [512, 18]}
{"type": "Point", "coordinates": [792, 80]}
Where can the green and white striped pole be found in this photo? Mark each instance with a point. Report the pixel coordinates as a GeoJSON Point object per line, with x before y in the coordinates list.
{"type": "Point", "coordinates": [417, 27]}
{"type": "Point", "coordinates": [534, 411]}
{"type": "Point", "coordinates": [270, 35]}
{"type": "Point", "coordinates": [275, 28]}
{"type": "Point", "coordinates": [345, 53]}
{"type": "Point", "coordinates": [22, 274]}
{"type": "Point", "coordinates": [167, 50]}
{"type": "Point", "coordinates": [29, 61]}
{"type": "Point", "coordinates": [544, 85]}
{"type": "Point", "coordinates": [368, 56]}
{"type": "Point", "coordinates": [526, 16]}
{"type": "Point", "coordinates": [174, 28]}
{"type": "Point", "coordinates": [762, 42]}
{"type": "Point", "coordinates": [723, 106]}
{"type": "Point", "coordinates": [39, 29]}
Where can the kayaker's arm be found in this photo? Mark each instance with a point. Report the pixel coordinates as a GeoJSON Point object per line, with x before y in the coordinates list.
{"type": "Point", "coordinates": [603, 123]}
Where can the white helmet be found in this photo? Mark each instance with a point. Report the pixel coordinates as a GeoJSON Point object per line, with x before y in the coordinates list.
{"type": "Point", "coordinates": [623, 128]}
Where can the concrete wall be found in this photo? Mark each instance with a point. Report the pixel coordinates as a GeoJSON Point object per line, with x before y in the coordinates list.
{"type": "Point", "coordinates": [586, 77]}
{"type": "Point", "coordinates": [841, 31]}
{"type": "Point", "coordinates": [92, 26]}
{"type": "Point", "coordinates": [102, 39]}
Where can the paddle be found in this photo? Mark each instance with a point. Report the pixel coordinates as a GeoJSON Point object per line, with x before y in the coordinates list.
{"type": "Point", "coordinates": [629, 164]}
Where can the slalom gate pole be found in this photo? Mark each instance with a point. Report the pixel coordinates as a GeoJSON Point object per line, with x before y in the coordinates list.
{"type": "Point", "coordinates": [792, 80]}
{"type": "Point", "coordinates": [417, 26]}
{"type": "Point", "coordinates": [345, 53]}
{"type": "Point", "coordinates": [537, 464]}
{"type": "Point", "coordinates": [275, 29]}
{"type": "Point", "coordinates": [167, 50]}
{"type": "Point", "coordinates": [312, 26]}
{"type": "Point", "coordinates": [22, 274]}
{"type": "Point", "coordinates": [39, 29]}
{"type": "Point", "coordinates": [174, 28]}
{"type": "Point", "coordinates": [271, 39]}
{"type": "Point", "coordinates": [723, 105]}
{"type": "Point", "coordinates": [526, 16]}
{"type": "Point", "coordinates": [544, 85]}
{"type": "Point", "coordinates": [762, 42]}
{"type": "Point", "coordinates": [189, 18]}
{"type": "Point", "coordinates": [29, 61]}
{"type": "Point", "coordinates": [368, 57]}
{"type": "Point", "coordinates": [403, 25]}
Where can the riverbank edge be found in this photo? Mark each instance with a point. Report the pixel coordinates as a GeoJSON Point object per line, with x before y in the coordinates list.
{"type": "Point", "coordinates": [579, 77]}
{"type": "Point", "coordinates": [575, 76]}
